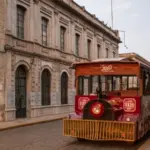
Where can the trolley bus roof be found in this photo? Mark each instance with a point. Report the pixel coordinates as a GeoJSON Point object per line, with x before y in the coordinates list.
{"type": "Point", "coordinates": [109, 59]}
{"type": "Point", "coordinates": [124, 58]}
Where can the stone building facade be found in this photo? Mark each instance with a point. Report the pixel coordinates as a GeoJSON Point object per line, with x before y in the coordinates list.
{"type": "Point", "coordinates": [39, 39]}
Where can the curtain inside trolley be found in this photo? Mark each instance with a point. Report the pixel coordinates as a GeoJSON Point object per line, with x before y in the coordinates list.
{"type": "Point", "coordinates": [88, 84]}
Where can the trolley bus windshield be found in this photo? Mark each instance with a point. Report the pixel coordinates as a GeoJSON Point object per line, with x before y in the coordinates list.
{"type": "Point", "coordinates": [88, 84]}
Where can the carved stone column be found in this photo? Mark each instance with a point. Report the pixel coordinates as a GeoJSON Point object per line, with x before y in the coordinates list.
{"type": "Point", "coordinates": [95, 46]}
{"type": "Point", "coordinates": [36, 18]}
{"type": "Point", "coordinates": [2, 24]}
{"type": "Point", "coordinates": [85, 42]}
{"type": "Point", "coordinates": [36, 1]}
{"type": "Point", "coordinates": [2, 109]}
{"type": "Point", "coordinates": [56, 28]}
{"type": "Point", "coordinates": [72, 36]}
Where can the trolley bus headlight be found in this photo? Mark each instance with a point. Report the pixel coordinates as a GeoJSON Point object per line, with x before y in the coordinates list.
{"type": "Point", "coordinates": [127, 119]}
{"type": "Point", "coordinates": [97, 109]}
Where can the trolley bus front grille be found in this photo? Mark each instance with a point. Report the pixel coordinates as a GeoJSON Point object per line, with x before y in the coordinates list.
{"type": "Point", "coordinates": [100, 130]}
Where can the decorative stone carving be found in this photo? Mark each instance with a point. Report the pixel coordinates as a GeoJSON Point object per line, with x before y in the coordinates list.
{"type": "Point", "coordinates": [56, 12]}
{"type": "Point", "coordinates": [78, 28]}
{"type": "Point", "coordinates": [95, 33]}
{"type": "Point", "coordinates": [32, 60]}
{"type": "Point", "coordinates": [13, 61]}
{"type": "Point", "coordinates": [84, 28]}
{"type": "Point", "coordinates": [36, 1]}
{"type": "Point", "coordinates": [46, 11]}
{"type": "Point", "coordinates": [107, 45]}
{"type": "Point", "coordinates": [72, 21]}
{"type": "Point", "coordinates": [77, 59]}
{"type": "Point", "coordinates": [45, 51]}
{"type": "Point", "coordinates": [89, 34]}
{"type": "Point", "coordinates": [21, 44]}
{"type": "Point", "coordinates": [94, 16]}
{"type": "Point", "coordinates": [63, 55]}
{"type": "Point", "coordinates": [2, 109]}
{"type": "Point", "coordinates": [99, 40]}
{"type": "Point", "coordinates": [26, 2]}
{"type": "Point", "coordinates": [63, 20]}
{"type": "Point", "coordinates": [114, 48]}
{"type": "Point", "coordinates": [83, 8]}
{"type": "Point", "coordinates": [8, 32]}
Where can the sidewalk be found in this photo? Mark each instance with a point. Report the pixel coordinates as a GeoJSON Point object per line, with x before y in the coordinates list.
{"type": "Point", "coordinates": [30, 121]}
{"type": "Point", "coordinates": [145, 146]}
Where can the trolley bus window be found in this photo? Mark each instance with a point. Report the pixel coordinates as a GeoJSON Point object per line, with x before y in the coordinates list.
{"type": "Point", "coordinates": [85, 85]}
{"type": "Point", "coordinates": [80, 85]}
{"type": "Point", "coordinates": [146, 83]}
{"type": "Point", "coordinates": [94, 84]}
{"type": "Point", "coordinates": [88, 84]}
{"type": "Point", "coordinates": [116, 83]}
{"type": "Point", "coordinates": [132, 82]}
{"type": "Point", "coordinates": [125, 83]}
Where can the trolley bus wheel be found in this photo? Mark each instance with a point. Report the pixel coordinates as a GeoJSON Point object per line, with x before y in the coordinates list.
{"type": "Point", "coordinates": [80, 139]}
{"type": "Point", "coordinates": [130, 143]}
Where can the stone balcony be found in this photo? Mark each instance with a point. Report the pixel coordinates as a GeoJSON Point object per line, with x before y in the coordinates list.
{"type": "Point", "coordinates": [35, 49]}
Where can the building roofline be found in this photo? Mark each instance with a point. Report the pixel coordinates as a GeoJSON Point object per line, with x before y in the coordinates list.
{"type": "Point", "coordinates": [99, 24]}
{"type": "Point", "coordinates": [93, 15]}
{"type": "Point", "coordinates": [135, 55]}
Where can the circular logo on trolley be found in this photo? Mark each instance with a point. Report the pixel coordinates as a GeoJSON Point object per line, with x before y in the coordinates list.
{"type": "Point", "coordinates": [115, 101]}
{"type": "Point", "coordinates": [106, 68]}
{"type": "Point", "coordinates": [129, 105]}
{"type": "Point", "coordinates": [82, 101]}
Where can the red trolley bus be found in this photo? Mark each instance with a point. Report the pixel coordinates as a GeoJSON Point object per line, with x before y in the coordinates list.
{"type": "Point", "coordinates": [112, 100]}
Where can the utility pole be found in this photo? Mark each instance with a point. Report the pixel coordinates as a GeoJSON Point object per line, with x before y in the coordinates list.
{"type": "Point", "coordinates": [112, 13]}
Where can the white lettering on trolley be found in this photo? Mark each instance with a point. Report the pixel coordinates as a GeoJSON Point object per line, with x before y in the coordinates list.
{"type": "Point", "coordinates": [82, 102]}
{"type": "Point", "coordinates": [106, 68]}
{"type": "Point", "coordinates": [129, 105]}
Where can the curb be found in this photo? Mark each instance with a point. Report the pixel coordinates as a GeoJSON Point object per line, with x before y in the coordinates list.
{"type": "Point", "coordinates": [31, 123]}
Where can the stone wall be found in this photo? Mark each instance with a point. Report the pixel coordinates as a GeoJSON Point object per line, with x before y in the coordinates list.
{"type": "Point", "coordinates": [35, 57]}
{"type": "Point", "coordinates": [2, 57]}
{"type": "Point", "coordinates": [2, 85]}
{"type": "Point", "coordinates": [2, 24]}
{"type": "Point", "coordinates": [61, 16]}
{"type": "Point", "coordinates": [34, 67]}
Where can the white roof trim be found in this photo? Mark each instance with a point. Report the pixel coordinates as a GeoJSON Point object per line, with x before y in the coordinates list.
{"type": "Point", "coordinates": [109, 59]}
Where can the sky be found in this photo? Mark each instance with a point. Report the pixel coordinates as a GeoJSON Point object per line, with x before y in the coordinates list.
{"type": "Point", "coordinates": [131, 16]}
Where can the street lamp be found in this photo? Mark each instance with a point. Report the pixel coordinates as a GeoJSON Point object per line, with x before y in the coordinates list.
{"type": "Point", "coordinates": [112, 21]}
{"type": "Point", "coordinates": [124, 38]}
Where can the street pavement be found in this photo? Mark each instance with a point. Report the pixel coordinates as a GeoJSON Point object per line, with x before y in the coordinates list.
{"type": "Point", "coordinates": [48, 136]}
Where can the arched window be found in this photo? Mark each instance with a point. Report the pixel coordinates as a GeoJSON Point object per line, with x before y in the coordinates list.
{"type": "Point", "coordinates": [20, 92]}
{"type": "Point", "coordinates": [64, 88]}
{"type": "Point", "coordinates": [20, 21]}
{"type": "Point", "coordinates": [46, 88]}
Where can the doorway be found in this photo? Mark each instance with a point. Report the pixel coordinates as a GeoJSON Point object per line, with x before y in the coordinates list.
{"type": "Point", "coordinates": [20, 92]}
